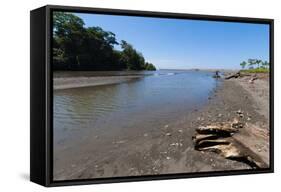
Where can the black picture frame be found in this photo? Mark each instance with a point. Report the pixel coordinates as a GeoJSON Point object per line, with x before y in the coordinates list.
{"type": "Point", "coordinates": [41, 133]}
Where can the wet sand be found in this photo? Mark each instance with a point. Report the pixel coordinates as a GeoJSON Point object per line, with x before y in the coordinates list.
{"type": "Point", "coordinates": [82, 81]}
{"type": "Point", "coordinates": [170, 149]}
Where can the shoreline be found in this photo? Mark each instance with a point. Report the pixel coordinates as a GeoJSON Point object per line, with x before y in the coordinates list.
{"type": "Point", "coordinates": [79, 79]}
{"type": "Point", "coordinates": [170, 149]}
{"type": "Point", "coordinates": [77, 82]}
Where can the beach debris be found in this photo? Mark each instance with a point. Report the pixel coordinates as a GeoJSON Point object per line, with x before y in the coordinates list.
{"type": "Point", "coordinates": [236, 75]}
{"type": "Point", "coordinates": [166, 126]}
{"type": "Point", "coordinates": [254, 77]}
{"type": "Point", "coordinates": [219, 115]}
{"type": "Point", "coordinates": [236, 124]}
{"type": "Point", "coordinates": [119, 142]}
{"type": "Point", "coordinates": [240, 113]}
{"type": "Point", "coordinates": [206, 144]}
{"type": "Point", "coordinates": [218, 138]}
{"type": "Point", "coordinates": [176, 144]}
{"type": "Point", "coordinates": [180, 131]}
{"type": "Point", "coordinates": [222, 129]}
{"type": "Point", "coordinates": [168, 134]}
{"type": "Point", "coordinates": [168, 158]}
{"type": "Point", "coordinates": [199, 137]}
{"type": "Point", "coordinates": [145, 135]}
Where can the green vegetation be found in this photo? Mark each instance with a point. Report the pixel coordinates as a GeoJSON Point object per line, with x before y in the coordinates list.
{"type": "Point", "coordinates": [149, 66]}
{"type": "Point", "coordinates": [255, 66]}
{"type": "Point", "coordinates": [259, 70]}
{"type": "Point", "coordinates": [76, 47]}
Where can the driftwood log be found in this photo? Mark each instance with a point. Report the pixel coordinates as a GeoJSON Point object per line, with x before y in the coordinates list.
{"type": "Point", "coordinates": [218, 129]}
{"type": "Point", "coordinates": [253, 79]}
{"type": "Point", "coordinates": [218, 138]}
{"type": "Point", "coordinates": [236, 75]}
{"type": "Point", "coordinates": [239, 75]}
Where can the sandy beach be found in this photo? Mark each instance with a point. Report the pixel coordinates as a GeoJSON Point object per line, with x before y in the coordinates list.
{"type": "Point", "coordinates": [171, 149]}
{"type": "Point", "coordinates": [75, 82]}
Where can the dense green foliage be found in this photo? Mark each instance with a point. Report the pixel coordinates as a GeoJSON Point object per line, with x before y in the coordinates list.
{"type": "Point", "coordinates": [76, 47]}
{"type": "Point", "coordinates": [255, 66]}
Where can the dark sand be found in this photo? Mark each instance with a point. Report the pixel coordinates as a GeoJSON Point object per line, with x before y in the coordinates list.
{"type": "Point", "coordinates": [170, 149]}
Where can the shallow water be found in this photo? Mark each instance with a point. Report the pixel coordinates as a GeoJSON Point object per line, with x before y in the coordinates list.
{"type": "Point", "coordinates": [116, 110]}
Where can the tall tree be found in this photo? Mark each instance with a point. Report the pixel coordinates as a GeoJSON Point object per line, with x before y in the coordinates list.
{"type": "Point", "coordinates": [265, 64]}
{"type": "Point", "coordinates": [258, 62]}
{"type": "Point", "coordinates": [76, 47]}
{"type": "Point", "coordinates": [68, 33]}
{"type": "Point", "coordinates": [251, 63]}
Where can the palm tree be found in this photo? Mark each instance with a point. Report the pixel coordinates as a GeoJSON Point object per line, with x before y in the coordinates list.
{"type": "Point", "coordinates": [258, 62]}
{"type": "Point", "coordinates": [251, 62]}
{"type": "Point", "coordinates": [243, 64]}
{"type": "Point", "coordinates": [265, 64]}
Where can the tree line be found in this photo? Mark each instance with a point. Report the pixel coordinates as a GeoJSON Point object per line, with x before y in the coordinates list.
{"type": "Point", "coordinates": [76, 47]}
{"type": "Point", "coordinates": [255, 64]}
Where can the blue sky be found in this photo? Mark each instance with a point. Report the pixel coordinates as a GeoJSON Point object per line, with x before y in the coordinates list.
{"type": "Point", "coordinates": [185, 44]}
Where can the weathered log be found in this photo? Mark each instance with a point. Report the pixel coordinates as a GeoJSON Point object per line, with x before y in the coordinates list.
{"type": "Point", "coordinates": [201, 145]}
{"type": "Point", "coordinates": [225, 150]}
{"type": "Point", "coordinates": [199, 137]}
{"type": "Point", "coordinates": [253, 79]}
{"type": "Point", "coordinates": [218, 129]}
{"type": "Point", "coordinates": [237, 152]}
{"type": "Point", "coordinates": [217, 138]}
{"type": "Point", "coordinates": [236, 75]}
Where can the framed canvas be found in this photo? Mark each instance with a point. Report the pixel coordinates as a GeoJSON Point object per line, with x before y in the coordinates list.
{"type": "Point", "coordinates": [125, 95]}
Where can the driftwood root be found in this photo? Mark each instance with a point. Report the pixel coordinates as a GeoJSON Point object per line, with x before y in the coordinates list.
{"type": "Point", "coordinates": [218, 138]}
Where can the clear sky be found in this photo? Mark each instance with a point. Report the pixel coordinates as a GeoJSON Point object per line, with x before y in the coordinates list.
{"type": "Point", "coordinates": [185, 44]}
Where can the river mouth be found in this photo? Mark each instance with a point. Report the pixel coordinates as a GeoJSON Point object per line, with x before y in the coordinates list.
{"type": "Point", "coordinates": [101, 115]}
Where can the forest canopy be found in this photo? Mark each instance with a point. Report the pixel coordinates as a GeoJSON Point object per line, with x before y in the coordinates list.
{"type": "Point", "coordinates": [76, 47]}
